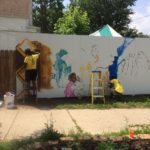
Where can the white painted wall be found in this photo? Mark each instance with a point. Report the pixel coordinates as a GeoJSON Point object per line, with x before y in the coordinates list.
{"type": "Point", "coordinates": [134, 72]}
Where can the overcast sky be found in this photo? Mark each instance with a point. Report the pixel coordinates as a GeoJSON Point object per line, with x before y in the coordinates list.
{"type": "Point", "coordinates": [141, 17]}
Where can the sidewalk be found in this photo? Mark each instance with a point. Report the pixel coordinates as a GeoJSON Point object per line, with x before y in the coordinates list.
{"type": "Point", "coordinates": [26, 120]}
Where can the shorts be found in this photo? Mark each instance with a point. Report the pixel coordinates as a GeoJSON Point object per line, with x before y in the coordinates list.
{"type": "Point", "coordinates": [31, 75]}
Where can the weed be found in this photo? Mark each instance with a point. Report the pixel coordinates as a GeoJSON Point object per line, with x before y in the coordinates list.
{"type": "Point", "coordinates": [49, 133]}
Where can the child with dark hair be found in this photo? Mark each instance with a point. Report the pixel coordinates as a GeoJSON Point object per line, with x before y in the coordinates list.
{"type": "Point", "coordinates": [69, 88]}
{"type": "Point", "coordinates": [116, 87]}
{"type": "Point", "coordinates": [74, 87]}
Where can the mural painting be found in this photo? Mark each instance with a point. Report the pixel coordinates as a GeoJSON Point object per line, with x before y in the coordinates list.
{"type": "Point", "coordinates": [45, 62]}
{"type": "Point", "coordinates": [123, 58]}
{"type": "Point", "coordinates": [135, 62]}
{"type": "Point", "coordinates": [89, 64]}
{"type": "Point", "coordinates": [113, 68]}
{"type": "Point", "coordinates": [61, 68]}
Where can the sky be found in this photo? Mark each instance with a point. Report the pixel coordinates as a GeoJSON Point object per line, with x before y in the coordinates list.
{"type": "Point", "coordinates": [140, 18]}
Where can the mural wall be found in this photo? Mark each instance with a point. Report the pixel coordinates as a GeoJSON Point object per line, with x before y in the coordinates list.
{"type": "Point", "coordinates": [125, 58]}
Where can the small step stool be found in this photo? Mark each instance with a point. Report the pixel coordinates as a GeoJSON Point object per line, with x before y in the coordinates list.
{"type": "Point", "coordinates": [97, 85]}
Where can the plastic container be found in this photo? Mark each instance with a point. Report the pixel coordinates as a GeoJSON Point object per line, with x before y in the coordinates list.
{"type": "Point", "coordinates": [9, 99]}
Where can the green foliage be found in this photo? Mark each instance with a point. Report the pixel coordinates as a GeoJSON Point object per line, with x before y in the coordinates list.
{"type": "Point", "coordinates": [118, 134]}
{"type": "Point", "coordinates": [49, 133]}
{"type": "Point", "coordinates": [26, 143]}
{"type": "Point", "coordinates": [74, 21]}
{"type": "Point", "coordinates": [133, 33]}
{"type": "Point", "coordinates": [74, 145]}
{"type": "Point", "coordinates": [46, 13]}
{"type": "Point", "coordinates": [6, 145]}
{"type": "Point", "coordinates": [113, 12]}
{"type": "Point", "coordinates": [77, 135]}
{"type": "Point", "coordinates": [109, 145]}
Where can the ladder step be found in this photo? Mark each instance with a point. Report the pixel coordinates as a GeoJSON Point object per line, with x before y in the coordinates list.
{"type": "Point", "coordinates": [96, 96]}
{"type": "Point", "coordinates": [98, 80]}
{"type": "Point", "coordinates": [98, 87]}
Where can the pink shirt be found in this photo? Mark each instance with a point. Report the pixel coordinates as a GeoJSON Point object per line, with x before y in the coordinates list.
{"type": "Point", "coordinates": [69, 89]}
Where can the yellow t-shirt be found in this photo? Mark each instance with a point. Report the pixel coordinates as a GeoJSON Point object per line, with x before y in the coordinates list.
{"type": "Point", "coordinates": [31, 61]}
{"type": "Point", "coordinates": [117, 86]}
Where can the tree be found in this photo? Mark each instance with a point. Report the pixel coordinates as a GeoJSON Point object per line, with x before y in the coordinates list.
{"type": "Point", "coordinates": [101, 12]}
{"type": "Point", "coordinates": [133, 33]}
{"type": "Point", "coordinates": [74, 21]}
{"type": "Point", "coordinates": [46, 13]}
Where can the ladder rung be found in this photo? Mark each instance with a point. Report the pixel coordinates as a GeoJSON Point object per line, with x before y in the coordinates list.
{"type": "Point", "coordinates": [98, 87]}
{"type": "Point", "coordinates": [98, 80]}
{"type": "Point", "coordinates": [101, 96]}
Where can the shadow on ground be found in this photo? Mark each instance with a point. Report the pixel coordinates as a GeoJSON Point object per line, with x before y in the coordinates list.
{"type": "Point", "coordinates": [85, 102]}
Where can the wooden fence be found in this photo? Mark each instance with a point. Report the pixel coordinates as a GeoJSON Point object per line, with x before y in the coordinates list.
{"type": "Point", "coordinates": [7, 71]}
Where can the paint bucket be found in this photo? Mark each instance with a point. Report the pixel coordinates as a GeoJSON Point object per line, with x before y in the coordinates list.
{"type": "Point", "coordinates": [9, 99]}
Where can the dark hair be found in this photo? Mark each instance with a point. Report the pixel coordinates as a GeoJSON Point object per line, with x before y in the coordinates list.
{"type": "Point", "coordinates": [28, 51]}
{"type": "Point", "coordinates": [113, 77]}
{"type": "Point", "coordinates": [71, 76]}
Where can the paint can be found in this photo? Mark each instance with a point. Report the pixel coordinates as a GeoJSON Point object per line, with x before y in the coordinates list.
{"type": "Point", "coordinates": [9, 100]}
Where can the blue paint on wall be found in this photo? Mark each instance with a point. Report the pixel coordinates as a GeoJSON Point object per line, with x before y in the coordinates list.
{"type": "Point", "coordinates": [113, 68]}
{"type": "Point", "coordinates": [61, 66]}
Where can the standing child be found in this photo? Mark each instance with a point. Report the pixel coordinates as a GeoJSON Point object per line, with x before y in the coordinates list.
{"type": "Point", "coordinates": [30, 62]}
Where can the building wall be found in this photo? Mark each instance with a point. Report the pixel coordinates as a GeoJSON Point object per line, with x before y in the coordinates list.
{"type": "Point", "coordinates": [16, 15]}
{"type": "Point", "coordinates": [13, 24]}
{"type": "Point", "coordinates": [82, 54]}
{"type": "Point", "coordinates": [15, 8]}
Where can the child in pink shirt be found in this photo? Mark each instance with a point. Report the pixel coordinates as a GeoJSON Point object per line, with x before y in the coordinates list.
{"type": "Point", "coordinates": [70, 86]}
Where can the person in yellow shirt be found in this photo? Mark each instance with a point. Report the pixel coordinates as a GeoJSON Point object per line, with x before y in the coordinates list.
{"type": "Point", "coordinates": [30, 62]}
{"type": "Point", "coordinates": [116, 87]}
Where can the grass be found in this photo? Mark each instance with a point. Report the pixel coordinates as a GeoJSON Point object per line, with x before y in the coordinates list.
{"type": "Point", "coordinates": [140, 101]}
{"type": "Point", "coordinates": [138, 129]}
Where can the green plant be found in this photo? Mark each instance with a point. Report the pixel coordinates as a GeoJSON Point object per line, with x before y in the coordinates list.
{"type": "Point", "coordinates": [26, 143]}
{"type": "Point", "coordinates": [49, 133]}
{"type": "Point", "coordinates": [76, 135]}
{"type": "Point", "coordinates": [117, 134]}
{"type": "Point", "coordinates": [109, 145]}
{"type": "Point", "coordinates": [75, 145]}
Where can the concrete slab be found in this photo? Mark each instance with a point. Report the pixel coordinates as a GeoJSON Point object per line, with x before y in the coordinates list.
{"type": "Point", "coordinates": [112, 120]}
{"type": "Point", "coordinates": [31, 120]}
{"type": "Point", "coordinates": [27, 120]}
{"type": "Point", "coordinates": [7, 118]}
